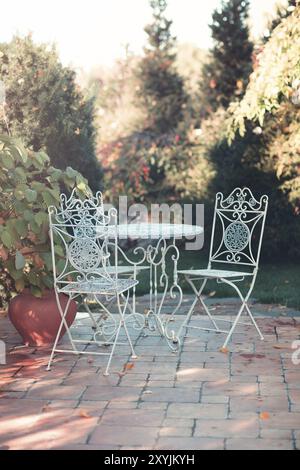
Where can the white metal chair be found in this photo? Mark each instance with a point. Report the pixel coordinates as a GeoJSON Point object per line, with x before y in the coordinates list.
{"type": "Point", "coordinates": [130, 270]}
{"type": "Point", "coordinates": [87, 237]}
{"type": "Point", "coordinates": [237, 231]}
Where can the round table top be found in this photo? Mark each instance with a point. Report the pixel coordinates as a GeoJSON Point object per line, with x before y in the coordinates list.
{"type": "Point", "coordinates": [147, 230]}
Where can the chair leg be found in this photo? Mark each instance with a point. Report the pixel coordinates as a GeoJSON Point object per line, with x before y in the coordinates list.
{"type": "Point", "coordinates": [94, 323]}
{"type": "Point", "coordinates": [235, 322]}
{"type": "Point", "coordinates": [254, 322]}
{"type": "Point", "coordinates": [198, 297]}
{"type": "Point", "coordinates": [133, 355]}
{"type": "Point", "coordinates": [188, 317]}
{"type": "Point", "coordinates": [106, 373]}
{"type": "Point", "coordinates": [243, 306]}
{"type": "Point", "coordinates": [122, 314]}
{"type": "Point", "coordinates": [234, 325]}
{"type": "Point", "coordinates": [121, 324]}
{"type": "Point", "coordinates": [62, 323]}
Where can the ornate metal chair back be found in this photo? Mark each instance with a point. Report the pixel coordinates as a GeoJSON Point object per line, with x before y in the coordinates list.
{"type": "Point", "coordinates": [238, 227]}
{"type": "Point", "coordinates": [83, 240]}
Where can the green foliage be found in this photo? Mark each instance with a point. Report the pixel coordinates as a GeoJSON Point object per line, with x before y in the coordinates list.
{"type": "Point", "coordinates": [28, 185]}
{"type": "Point", "coordinates": [161, 90]}
{"type": "Point", "coordinates": [275, 80]}
{"type": "Point", "coordinates": [226, 73]}
{"type": "Point", "coordinates": [46, 108]}
{"type": "Point", "coordinates": [272, 100]}
{"type": "Point", "coordinates": [282, 134]}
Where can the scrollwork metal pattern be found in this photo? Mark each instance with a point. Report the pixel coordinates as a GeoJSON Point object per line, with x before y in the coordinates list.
{"type": "Point", "coordinates": [84, 254]}
{"type": "Point", "coordinates": [236, 236]}
{"type": "Point", "coordinates": [238, 216]}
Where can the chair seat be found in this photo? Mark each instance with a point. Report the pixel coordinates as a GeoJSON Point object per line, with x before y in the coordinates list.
{"type": "Point", "coordinates": [99, 286]}
{"type": "Point", "coordinates": [214, 273]}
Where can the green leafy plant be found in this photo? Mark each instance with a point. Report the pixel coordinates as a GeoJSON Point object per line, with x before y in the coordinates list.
{"type": "Point", "coordinates": [28, 185]}
{"type": "Point", "coordinates": [271, 106]}
{"type": "Point", "coordinates": [276, 78]}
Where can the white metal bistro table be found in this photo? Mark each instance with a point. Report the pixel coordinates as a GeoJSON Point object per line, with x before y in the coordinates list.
{"type": "Point", "coordinates": [160, 249]}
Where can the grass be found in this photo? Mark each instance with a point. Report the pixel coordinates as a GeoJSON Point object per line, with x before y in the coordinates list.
{"type": "Point", "coordinates": [277, 283]}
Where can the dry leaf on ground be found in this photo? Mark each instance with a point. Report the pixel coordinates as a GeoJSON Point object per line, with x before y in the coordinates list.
{"type": "Point", "coordinates": [224, 350]}
{"type": "Point", "coordinates": [264, 415]}
{"type": "Point", "coordinates": [84, 414]}
{"type": "Point", "coordinates": [128, 366]}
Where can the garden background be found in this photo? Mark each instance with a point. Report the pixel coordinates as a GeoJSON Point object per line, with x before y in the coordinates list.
{"type": "Point", "coordinates": [175, 124]}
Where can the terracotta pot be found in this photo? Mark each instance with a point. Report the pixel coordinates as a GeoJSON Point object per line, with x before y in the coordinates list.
{"type": "Point", "coordinates": [37, 319]}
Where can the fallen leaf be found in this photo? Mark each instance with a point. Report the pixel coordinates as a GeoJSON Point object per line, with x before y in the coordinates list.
{"type": "Point", "coordinates": [224, 350]}
{"type": "Point", "coordinates": [147, 392]}
{"type": "Point", "coordinates": [84, 414]}
{"type": "Point", "coordinates": [264, 415]}
{"type": "Point", "coordinates": [281, 346]}
{"type": "Point", "coordinates": [128, 366]}
{"type": "Point", "coordinates": [211, 294]}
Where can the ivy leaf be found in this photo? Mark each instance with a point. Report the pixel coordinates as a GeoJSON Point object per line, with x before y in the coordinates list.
{"type": "Point", "coordinates": [55, 174]}
{"type": "Point", "coordinates": [6, 239]}
{"type": "Point", "coordinates": [71, 173]}
{"type": "Point", "coordinates": [28, 215]}
{"type": "Point", "coordinates": [20, 173]}
{"type": "Point", "coordinates": [48, 199]}
{"type": "Point", "coordinates": [40, 218]}
{"type": "Point", "coordinates": [30, 195]}
{"type": "Point", "coordinates": [7, 161]}
{"type": "Point", "coordinates": [19, 261]}
{"type": "Point", "coordinates": [47, 257]}
{"type": "Point", "coordinates": [21, 227]}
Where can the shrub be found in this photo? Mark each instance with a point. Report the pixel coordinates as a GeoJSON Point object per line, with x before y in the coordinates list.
{"type": "Point", "coordinates": [28, 185]}
{"type": "Point", "coordinates": [46, 108]}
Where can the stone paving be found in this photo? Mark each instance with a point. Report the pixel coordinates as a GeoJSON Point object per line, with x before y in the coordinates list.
{"type": "Point", "coordinates": [201, 398]}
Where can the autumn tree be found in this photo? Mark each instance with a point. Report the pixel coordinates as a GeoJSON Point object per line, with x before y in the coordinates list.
{"type": "Point", "coordinates": [161, 89]}
{"type": "Point", "coordinates": [225, 75]}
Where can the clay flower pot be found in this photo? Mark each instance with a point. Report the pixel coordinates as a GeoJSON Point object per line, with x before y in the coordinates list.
{"type": "Point", "coordinates": [37, 319]}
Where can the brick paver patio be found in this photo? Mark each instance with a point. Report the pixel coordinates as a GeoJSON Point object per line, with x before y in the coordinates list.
{"type": "Point", "coordinates": [247, 398]}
